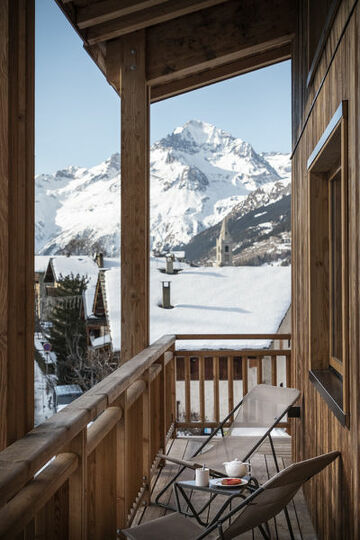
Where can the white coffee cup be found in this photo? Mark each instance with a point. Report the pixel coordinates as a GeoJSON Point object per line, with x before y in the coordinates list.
{"type": "Point", "coordinates": [202, 477]}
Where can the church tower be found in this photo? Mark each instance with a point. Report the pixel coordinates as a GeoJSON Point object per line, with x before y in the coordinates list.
{"type": "Point", "coordinates": [224, 246]}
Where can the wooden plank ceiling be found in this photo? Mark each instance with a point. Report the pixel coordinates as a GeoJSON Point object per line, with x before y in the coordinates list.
{"type": "Point", "coordinates": [189, 43]}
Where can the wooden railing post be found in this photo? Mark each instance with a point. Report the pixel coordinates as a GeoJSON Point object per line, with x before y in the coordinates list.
{"type": "Point", "coordinates": [162, 405]}
{"type": "Point", "coordinates": [259, 362]}
{"type": "Point", "coordinates": [187, 389]}
{"type": "Point", "coordinates": [102, 471]}
{"type": "Point", "coordinates": [168, 393]}
{"type": "Point", "coordinates": [173, 388]}
{"type": "Point", "coordinates": [120, 471]}
{"type": "Point", "coordinates": [77, 489]}
{"type": "Point", "coordinates": [147, 432]}
{"type": "Point", "coordinates": [273, 370]}
{"type": "Point", "coordinates": [230, 376]}
{"type": "Point", "coordinates": [244, 368]}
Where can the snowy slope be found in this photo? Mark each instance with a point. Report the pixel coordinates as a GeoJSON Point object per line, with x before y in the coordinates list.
{"type": "Point", "coordinates": [242, 300]}
{"type": "Point", "coordinates": [198, 174]}
{"type": "Point", "coordinates": [259, 227]}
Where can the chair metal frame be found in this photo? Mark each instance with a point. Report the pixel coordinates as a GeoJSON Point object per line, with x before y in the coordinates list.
{"type": "Point", "coordinates": [221, 427]}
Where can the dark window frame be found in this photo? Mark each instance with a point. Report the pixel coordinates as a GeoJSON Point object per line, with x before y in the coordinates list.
{"type": "Point", "coordinates": [328, 160]}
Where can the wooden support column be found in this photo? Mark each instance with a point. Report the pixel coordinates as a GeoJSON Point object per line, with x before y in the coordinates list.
{"type": "Point", "coordinates": [16, 218]}
{"type": "Point", "coordinates": [134, 197]}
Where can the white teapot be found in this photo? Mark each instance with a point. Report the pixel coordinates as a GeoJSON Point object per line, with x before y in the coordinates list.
{"type": "Point", "coordinates": [236, 468]}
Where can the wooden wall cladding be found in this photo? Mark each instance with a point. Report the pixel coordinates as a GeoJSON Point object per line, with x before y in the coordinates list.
{"type": "Point", "coordinates": [333, 498]}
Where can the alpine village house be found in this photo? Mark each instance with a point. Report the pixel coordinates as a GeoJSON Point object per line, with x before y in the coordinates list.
{"type": "Point", "coordinates": [84, 472]}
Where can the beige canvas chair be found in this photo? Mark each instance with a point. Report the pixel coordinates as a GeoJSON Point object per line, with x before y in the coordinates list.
{"type": "Point", "coordinates": [254, 512]}
{"type": "Point", "coordinates": [262, 408]}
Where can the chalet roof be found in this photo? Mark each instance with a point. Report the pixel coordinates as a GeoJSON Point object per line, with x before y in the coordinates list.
{"type": "Point", "coordinates": [82, 265]}
{"type": "Point", "coordinates": [209, 300]}
{"type": "Point", "coordinates": [41, 263]}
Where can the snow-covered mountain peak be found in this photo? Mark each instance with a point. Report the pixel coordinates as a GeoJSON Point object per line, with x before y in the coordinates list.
{"type": "Point", "coordinates": [195, 136]}
{"type": "Point", "coordinates": [203, 133]}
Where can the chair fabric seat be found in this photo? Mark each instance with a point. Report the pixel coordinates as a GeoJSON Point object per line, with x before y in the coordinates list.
{"type": "Point", "coordinates": [171, 527]}
{"type": "Point", "coordinates": [261, 408]}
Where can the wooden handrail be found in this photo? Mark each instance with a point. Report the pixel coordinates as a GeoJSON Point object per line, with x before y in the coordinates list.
{"type": "Point", "coordinates": [185, 337]}
{"type": "Point", "coordinates": [233, 352]}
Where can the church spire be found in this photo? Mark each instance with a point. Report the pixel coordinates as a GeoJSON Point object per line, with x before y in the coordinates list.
{"type": "Point", "coordinates": [224, 245]}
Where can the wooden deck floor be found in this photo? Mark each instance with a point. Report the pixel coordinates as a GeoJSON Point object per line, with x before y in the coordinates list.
{"type": "Point", "coordinates": [263, 468]}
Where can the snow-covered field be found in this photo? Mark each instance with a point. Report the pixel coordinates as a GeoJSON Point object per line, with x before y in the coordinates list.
{"type": "Point", "coordinates": [223, 300]}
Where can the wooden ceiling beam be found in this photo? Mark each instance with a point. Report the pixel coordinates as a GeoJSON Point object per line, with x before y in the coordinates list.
{"type": "Point", "coordinates": [145, 18]}
{"type": "Point", "coordinates": [216, 36]}
{"type": "Point", "coordinates": [220, 73]}
{"type": "Point", "coordinates": [107, 10]}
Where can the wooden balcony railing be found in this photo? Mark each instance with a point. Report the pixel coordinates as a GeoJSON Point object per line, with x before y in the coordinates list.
{"type": "Point", "coordinates": [228, 365]}
{"type": "Point", "coordinates": [84, 472]}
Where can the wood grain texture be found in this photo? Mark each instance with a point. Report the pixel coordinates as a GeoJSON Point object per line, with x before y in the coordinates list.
{"type": "Point", "coordinates": [333, 497]}
{"type": "Point", "coordinates": [220, 73]}
{"type": "Point", "coordinates": [16, 218]}
{"type": "Point", "coordinates": [18, 513]}
{"type": "Point", "coordinates": [134, 198]}
{"type": "Point", "coordinates": [138, 20]}
{"type": "Point", "coordinates": [216, 36]}
{"type": "Point", "coordinates": [78, 489]}
{"type": "Point", "coordinates": [4, 212]}
{"type": "Point", "coordinates": [101, 488]}
{"type": "Point", "coordinates": [244, 368]}
{"type": "Point", "coordinates": [99, 12]}
{"type": "Point", "coordinates": [216, 389]}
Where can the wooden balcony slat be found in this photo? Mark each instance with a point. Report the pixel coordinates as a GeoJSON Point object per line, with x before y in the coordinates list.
{"type": "Point", "coordinates": [20, 510]}
{"type": "Point", "coordinates": [187, 390]}
{"type": "Point", "coordinates": [202, 388]}
{"type": "Point", "coordinates": [273, 370]}
{"type": "Point", "coordinates": [230, 377]}
{"type": "Point", "coordinates": [259, 370]}
{"type": "Point", "coordinates": [244, 368]}
{"type": "Point", "coordinates": [134, 392]}
{"type": "Point", "coordinates": [216, 389]}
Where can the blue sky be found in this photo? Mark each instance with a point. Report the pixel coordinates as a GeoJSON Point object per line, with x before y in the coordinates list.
{"type": "Point", "coordinates": [78, 113]}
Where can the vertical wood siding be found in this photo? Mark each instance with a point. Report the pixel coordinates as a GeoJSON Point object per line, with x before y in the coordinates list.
{"type": "Point", "coordinates": [333, 496]}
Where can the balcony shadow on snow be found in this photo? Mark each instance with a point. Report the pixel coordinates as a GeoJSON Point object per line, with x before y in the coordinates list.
{"type": "Point", "coordinates": [200, 274]}
{"type": "Point", "coordinates": [213, 308]}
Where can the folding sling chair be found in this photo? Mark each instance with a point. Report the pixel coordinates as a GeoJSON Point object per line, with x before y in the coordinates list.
{"type": "Point", "coordinates": [253, 512]}
{"type": "Point", "coordinates": [262, 408]}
